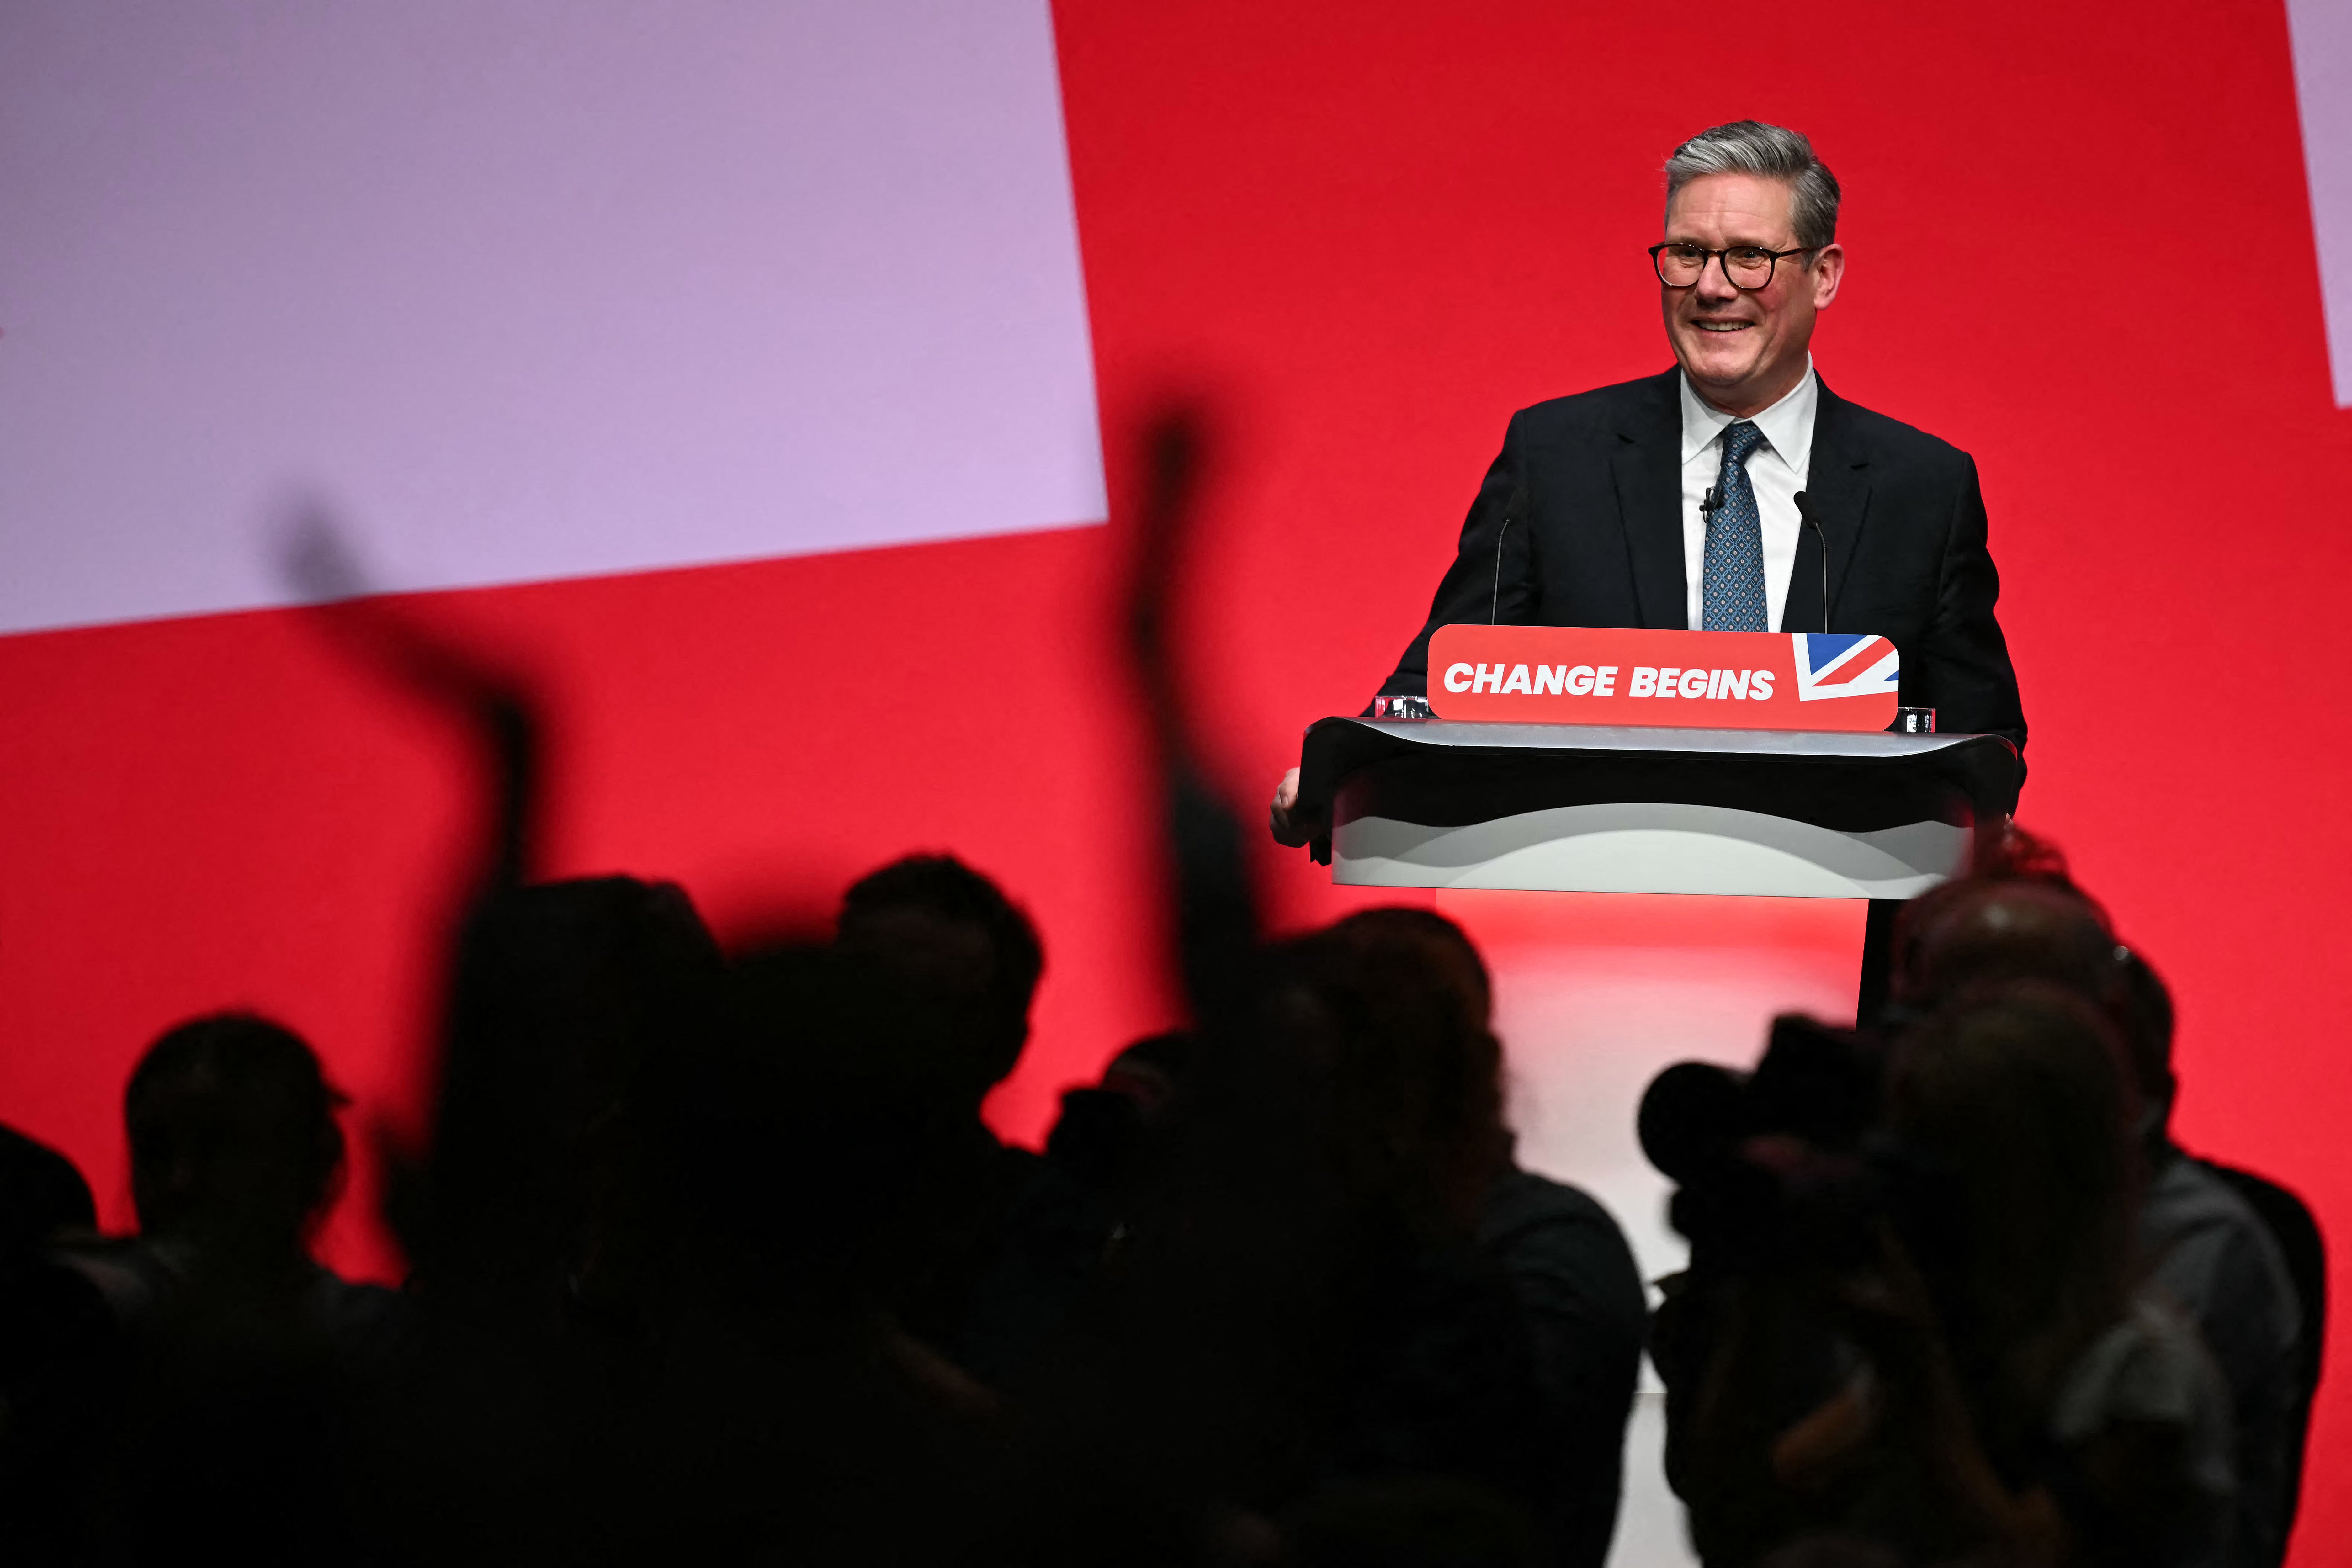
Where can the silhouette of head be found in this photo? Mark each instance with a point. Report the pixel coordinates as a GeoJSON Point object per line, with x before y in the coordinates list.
{"type": "Point", "coordinates": [234, 1146]}
{"type": "Point", "coordinates": [1991, 931]}
{"type": "Point", "coordinates": [41, 1195]}
{"type": "Point", "coordinates": [1415, 1077]}
{"type": "Point", "coordinates": [1431, 943]}
{"type": "Point", "coordinates": [951, 935]}
{"type": "Point", "coordinates": [569, 987]}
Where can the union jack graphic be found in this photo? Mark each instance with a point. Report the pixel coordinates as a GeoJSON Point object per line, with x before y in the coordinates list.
{"type": "Point", "coordinates": [1839, 666]}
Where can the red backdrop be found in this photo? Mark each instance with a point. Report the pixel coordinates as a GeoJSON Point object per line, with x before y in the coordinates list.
{"type": "Point", "coordinates": [2081, 249]}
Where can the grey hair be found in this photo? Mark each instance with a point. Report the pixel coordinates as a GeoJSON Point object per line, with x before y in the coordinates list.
{"type": "Point", "coordinates": [1770, 152]}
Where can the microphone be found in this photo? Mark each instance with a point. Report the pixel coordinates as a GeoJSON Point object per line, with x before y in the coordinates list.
{"type": "Point", "coordinates": [1514, 510]}
{"type": "Point", "coordinates": [1711, 503]}
{"type": "Point", "coordinates": [1821, 545]}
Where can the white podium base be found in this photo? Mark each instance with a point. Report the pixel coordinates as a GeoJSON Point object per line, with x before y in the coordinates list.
{"type": "Point", "coordinates": [1593, 995]}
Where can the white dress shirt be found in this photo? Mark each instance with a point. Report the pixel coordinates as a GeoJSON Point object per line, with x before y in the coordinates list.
{"type": "Point", "coordinates": [1776, 471]}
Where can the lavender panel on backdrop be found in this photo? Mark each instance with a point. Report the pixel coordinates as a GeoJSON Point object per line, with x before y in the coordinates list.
{"type": "Point", "coordinates": [2323, 82]}
{"type": "Point", "coordinates": [530, 290]}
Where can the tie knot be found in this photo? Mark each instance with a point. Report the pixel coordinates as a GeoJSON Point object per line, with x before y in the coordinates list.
{"type": "Point", "coordinates": [1739, 440]}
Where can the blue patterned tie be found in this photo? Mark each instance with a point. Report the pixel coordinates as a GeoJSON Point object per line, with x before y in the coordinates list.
{"type": "Point", "coordinates": [1732, 589]}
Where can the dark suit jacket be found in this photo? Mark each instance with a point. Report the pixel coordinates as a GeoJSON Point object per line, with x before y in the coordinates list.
{"type": "Point", "coordinates": [1601, 543]}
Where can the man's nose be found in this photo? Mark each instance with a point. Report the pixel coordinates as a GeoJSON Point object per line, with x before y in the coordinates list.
{"type": "Point", "coordinates": [1714, 283]}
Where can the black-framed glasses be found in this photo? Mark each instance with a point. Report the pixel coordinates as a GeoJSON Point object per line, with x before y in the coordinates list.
{"type": "Point", "coordinates": [1749, 267]}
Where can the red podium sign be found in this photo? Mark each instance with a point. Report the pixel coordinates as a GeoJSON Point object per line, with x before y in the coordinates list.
{"type": "Point", "coordinates": [1685, 680]}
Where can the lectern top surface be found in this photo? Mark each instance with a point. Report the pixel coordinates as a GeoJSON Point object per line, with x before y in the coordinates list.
{"type": "Point", "coordinates": [1642, 738]}
{"type": "Point", "coordinates": [1759, 762]}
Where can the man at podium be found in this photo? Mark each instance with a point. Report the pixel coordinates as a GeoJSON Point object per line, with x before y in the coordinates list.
{"type": "Point", "coordinates": [1734, 492]}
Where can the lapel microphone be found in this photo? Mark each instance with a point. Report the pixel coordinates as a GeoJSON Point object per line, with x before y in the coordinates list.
{"type": "Point", "coordinates": [1514, 510]}
{"type": "Point", "coordinates": [1822, 545]}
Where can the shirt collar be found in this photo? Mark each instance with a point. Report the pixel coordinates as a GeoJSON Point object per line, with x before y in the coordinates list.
{"type": "Point", "coordinates": [1787, 425]}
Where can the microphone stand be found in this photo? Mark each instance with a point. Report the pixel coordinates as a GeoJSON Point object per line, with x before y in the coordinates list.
{"type": "Point", "coordinates": [1822, 549]}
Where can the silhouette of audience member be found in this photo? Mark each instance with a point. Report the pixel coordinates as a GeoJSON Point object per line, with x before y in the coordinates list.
{"type": "Point", "coordinates": [1297, 1304]}
{"type": "Point", "coordinates": [571, 997]}
{"type": "Point", "coordinates": [1313, 1292]}
{"type": "Point", "coordinates": [951, 934]}
{"type": "Point", "coordinates": [236, 1157]}
{"type": "Point", "coordinates": [808, 1165]}
{"type": "Point", "coordinates": [2296, 1228]}
{"type": "Point", "coordinates": [59, 1361]}
{"type": "Point", "coordinates": [247, 1354]}
{"type": "Point", "coordinates": [2201, 1243]}
{"type": "Point", "coordinates": [2064, 1407]}
{"type": "Point", "coordinates": [972, 958]}
{"type": "Point", "coordinates": [766, 1145]}
{"type": "Point", "coordinates": [43, 1198]}
{"type": "Point", "coordinates": [2209, 1252]}
{"type": "Point", "coordinates": [1578, 1286]}
{"type": "Point", "coordinates": [2003, 1393]}
{"type": "Point", "coordinates": [1069, 1215]}
{"type": "Point", "coordinates": [1418, 1362]}
{"type": "Point", "coordinates": [542, 1262]}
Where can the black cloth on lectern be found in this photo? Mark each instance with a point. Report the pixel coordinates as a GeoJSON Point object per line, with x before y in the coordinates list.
{"type": "Point", "coordinates": [1601, 543]}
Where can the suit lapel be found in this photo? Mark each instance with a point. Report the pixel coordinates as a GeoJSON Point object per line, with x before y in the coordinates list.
{"type": "Point", "coordinates": [1837, 484]}
{"type": "Point", "coordinates": [1647, 468]}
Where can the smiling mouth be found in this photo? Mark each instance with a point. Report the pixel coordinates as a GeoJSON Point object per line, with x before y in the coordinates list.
{"type": "Point", "coordinates": [1722, 326]}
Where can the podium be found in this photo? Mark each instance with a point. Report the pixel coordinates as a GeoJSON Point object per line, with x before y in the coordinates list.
{"type": "Point", "coordinates": [1597, 809]}
{"type": "Point", "coordinates": [1642, 896]}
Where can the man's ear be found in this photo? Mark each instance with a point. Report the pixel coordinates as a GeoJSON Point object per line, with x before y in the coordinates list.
{"type": "Point", "coordinates": [1827, 272]}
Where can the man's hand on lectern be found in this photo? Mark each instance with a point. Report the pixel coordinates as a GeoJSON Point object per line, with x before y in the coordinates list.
{"type": "Point", "coordinates": [1292, 826]}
